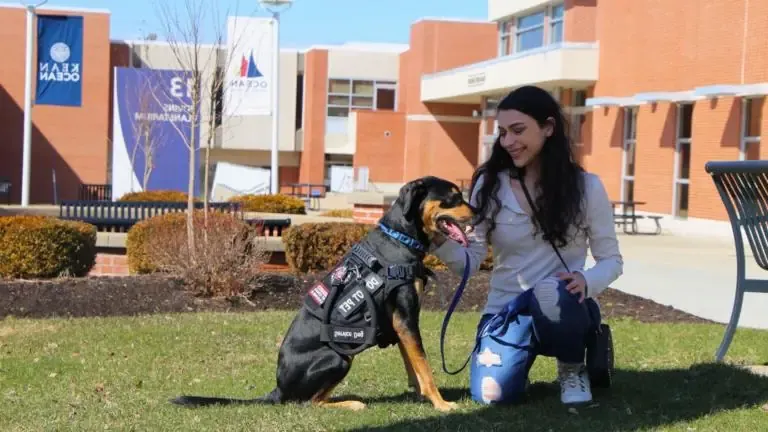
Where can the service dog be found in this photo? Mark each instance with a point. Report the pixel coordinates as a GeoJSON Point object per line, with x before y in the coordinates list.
{"type": "Point", "coordinates": [310, 363]}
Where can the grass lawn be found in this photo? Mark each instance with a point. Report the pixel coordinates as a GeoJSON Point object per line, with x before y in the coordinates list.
{"type": "Point", "coordinates": [118, 374]}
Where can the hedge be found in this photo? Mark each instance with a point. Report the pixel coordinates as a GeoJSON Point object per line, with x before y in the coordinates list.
{"type": "Point", "coordinates": [339, 213]}
{"type": "Point", "coordinates": [155, 196]}
{"type": "Point", "coordinates": [45, 247]}
{"type": "Point", "coordinates": [311, 247]}
{"type": "Point", "coordinates": [271, 203]}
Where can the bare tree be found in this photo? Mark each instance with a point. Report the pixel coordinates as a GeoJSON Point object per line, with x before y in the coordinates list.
{"type": "Point", "coordinates": [195, 33]}
{"type": "Point", "coordinates": [147, 134]}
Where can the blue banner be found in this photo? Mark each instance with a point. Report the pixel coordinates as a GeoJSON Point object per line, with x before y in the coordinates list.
{"type": "Point", "coordinates": [152, 131]}
{"type": "Point", "coordinates": [59, 60]}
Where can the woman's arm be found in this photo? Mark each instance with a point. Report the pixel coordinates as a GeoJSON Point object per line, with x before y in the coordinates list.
{"type": "Point", "coordinates": [609, 264]}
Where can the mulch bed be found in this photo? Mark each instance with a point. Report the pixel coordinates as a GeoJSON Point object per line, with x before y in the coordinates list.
{"type": "Point", "coordinates": [132, 295]}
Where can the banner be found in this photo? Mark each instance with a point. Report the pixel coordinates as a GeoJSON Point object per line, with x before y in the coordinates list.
{"type": "Point", "coordinates": [152, 131]}
{"type": "Point", "coordinates": [248, 77]}
{"type": "Point", "coordinates": [60, 60]}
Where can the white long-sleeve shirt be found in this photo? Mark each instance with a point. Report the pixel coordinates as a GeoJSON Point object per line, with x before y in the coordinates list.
{"type": "Point", "coordinates": [520, 260]}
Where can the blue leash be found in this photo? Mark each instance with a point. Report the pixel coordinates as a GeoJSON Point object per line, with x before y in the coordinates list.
{"type": "Point", "coordinates": [455, 301]}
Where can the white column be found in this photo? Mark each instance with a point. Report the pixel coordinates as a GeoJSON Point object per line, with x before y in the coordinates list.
{"type": "Point", "coordinates": [27, 146]}
{"type": "Point", "coordinates": [275, 88]}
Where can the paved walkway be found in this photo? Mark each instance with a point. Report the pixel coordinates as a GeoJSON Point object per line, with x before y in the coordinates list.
{"type": "Point", "coordinates": [690, 273]}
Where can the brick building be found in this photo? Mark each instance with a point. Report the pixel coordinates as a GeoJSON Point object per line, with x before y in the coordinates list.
{"type": "Point", "coordinates": [653, 89]}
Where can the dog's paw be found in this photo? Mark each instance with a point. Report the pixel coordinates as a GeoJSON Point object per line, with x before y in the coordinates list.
{"type": "Point", "coordinates": [445, 406]}
{"type": "Point", "coordinates": [355, 405]}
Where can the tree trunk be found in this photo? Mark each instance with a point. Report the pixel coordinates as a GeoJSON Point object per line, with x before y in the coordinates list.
{"type": "Point", "coordinates": [191, 186]}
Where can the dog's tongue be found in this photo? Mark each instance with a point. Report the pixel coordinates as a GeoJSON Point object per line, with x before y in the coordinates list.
{"type": "Point", "coordinates": [455, 233]}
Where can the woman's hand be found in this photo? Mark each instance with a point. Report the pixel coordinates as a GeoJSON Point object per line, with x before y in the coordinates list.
{"type": "Point", "coordinates": [576, 285]}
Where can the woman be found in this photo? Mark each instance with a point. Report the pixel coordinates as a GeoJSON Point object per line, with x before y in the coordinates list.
{"type": "Point", "coordinates": [573, 211]}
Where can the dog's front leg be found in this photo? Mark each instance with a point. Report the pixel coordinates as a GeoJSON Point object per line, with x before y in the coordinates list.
{"type": "Point", "coordinates": [410, 341]}
{"type": "Point", "coordinates": [413, 382]}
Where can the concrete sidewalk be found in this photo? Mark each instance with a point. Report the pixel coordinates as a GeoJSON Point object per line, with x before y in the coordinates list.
{"type": "Point", "coordinates": [690, 273]}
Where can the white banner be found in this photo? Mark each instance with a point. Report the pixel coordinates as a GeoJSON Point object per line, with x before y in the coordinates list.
{"type": "Point", "coordinates": [248, 80]}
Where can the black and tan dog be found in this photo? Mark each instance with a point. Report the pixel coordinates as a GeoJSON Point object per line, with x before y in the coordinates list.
{"type": "Point", "coordinates": [308, 367]}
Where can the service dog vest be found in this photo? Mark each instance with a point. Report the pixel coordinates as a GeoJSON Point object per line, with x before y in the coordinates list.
{"type": "Point", "coordinates": [350, 299]}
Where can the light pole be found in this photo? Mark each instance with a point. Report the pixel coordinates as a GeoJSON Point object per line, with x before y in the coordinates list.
{"type": "Point", "coordinates": [275, 7]}
{"type": "Point", "coordinates": [26, 158]}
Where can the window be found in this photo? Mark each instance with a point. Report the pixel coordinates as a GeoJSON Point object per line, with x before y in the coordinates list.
{"type": "Point", "coordinates": [682, 167]}
{"type": "Point", "coordinates": [299, 101]}
{"type": "Point", "coordinates": [556, 24]}
{"type": "Point", "coordinates": [506, 46]}
{"type": "Point", "coordinates": [752, 113]}
{"type": "Point", "coordinates": [628, 154]}
{"type": "Point", "coordinates": [345, 95]}
{"type": "Point", "coordinates": [530, 31]}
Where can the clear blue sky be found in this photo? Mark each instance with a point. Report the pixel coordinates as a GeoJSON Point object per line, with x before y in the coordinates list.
{"type": "Point", "coordinates": [308, 22]}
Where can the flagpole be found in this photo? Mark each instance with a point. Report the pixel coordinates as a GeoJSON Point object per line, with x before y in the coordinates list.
{"type": "Point", "coordinates": [27, 146]}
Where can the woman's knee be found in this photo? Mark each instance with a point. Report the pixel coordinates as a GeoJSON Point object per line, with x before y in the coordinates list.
{"type": "Point", "coordinates": [553, 303]}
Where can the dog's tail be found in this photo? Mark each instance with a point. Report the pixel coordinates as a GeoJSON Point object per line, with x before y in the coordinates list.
{"type": "Point", "coordinates": [272, 398]}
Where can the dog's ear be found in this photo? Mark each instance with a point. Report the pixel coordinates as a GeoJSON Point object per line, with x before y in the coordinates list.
{"type": "Point", "coordinates": [411, 195]}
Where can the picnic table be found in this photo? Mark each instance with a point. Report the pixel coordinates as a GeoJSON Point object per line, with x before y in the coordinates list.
{"type": "Point", "coordinates": [312, 196]}
{"type": "Point", "coordinates": [628, 218]}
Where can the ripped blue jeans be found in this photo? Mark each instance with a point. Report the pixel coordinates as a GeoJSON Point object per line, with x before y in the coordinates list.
{"type": "Point", "coordinates": [544, 320]}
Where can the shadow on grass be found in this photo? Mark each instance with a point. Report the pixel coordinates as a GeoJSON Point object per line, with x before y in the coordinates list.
{"type": "Point", "coordinates": [638, 400]}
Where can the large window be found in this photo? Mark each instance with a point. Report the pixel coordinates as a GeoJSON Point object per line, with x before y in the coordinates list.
{"type": "Point", "coordinates": [529, 33]}
{"type": "Point", "coordinates": [345, 95]}
{"type": "Point", "coordinates": [556, 24]}
{"type": "Point", "coordinates": [682, 167]}
{"type": "Point", "coordinates": [752, 114]}
{"type": "Point", "coordinates": [628, 155]}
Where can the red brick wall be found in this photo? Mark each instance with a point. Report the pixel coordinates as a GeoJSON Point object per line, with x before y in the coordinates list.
{"type": "Point", "coordinates": [110, 265]}
{"type": "Point", "coordinates": [380, 144]}
{"type": "Point", "coordinates": [369, 214]}
{"type": "Point", "coordinates": [70, 140]}
{"type": "Point", "coordinates": [659, 45]}
{"type": "Point", "coordinates": [312, 165]}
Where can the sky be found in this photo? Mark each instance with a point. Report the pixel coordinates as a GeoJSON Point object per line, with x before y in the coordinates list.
{"type": "Point", "coordinates": [306, 23]}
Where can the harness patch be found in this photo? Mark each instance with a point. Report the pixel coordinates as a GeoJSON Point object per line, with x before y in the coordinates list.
{"type": "Point", "coordinates": [319, 292]}
{"type": "Point", "coordinates": [350, 335]}
{"type": "Point", "coordinates": [352, 301]}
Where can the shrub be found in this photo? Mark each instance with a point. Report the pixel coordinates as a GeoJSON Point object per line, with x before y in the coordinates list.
{"type": "Point", "coordinates": [226, 258]}
{"type": "Point", "coordinates": [270, 203]}
{"type": "Point", "coordinates": [340, 213]}
{"type": "Point", "coordinates": [45, 247]}
{"type": "Point", "coordinates": [155, 195]}
{"type": "Point", "coordinates": [320, 246]}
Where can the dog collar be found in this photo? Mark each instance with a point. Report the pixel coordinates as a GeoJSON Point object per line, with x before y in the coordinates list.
{"type": "Point", "coordinates": [402, 238]}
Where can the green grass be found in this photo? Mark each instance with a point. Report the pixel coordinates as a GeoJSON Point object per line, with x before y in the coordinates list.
{"type": "Point", "coordinates": [118, 374]}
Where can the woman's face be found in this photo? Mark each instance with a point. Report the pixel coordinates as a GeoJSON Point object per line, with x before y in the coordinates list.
{"type": "Point", "coordinates": [521, 136]}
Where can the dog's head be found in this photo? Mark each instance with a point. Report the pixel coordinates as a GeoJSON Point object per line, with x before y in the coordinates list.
{"type": "Point", "coordinates": [431, 205]}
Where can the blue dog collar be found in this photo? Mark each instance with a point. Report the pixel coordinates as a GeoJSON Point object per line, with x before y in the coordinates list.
{"type": "Point", "coordinates": [402, 238]}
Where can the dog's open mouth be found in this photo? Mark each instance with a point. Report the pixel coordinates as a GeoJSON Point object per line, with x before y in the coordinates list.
{"type": "Point", "coordinates": [452, 230]}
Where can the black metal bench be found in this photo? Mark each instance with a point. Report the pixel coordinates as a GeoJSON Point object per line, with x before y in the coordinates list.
{"type": "Point", "coordinates": [270, 227]}
{"type": "Point", "coordinates": [95, 192]}
{"type": "Point", "coordinates": [121, 216]}
{"type": "Point", "coordinates": [743, 188]}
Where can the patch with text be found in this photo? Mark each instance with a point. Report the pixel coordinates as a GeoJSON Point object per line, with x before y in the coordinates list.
{"type": "Point", "coordinates": [318, 292]}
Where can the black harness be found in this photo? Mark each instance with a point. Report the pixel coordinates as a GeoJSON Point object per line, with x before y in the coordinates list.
{"type": "Point", "coordinates": [350, 298]}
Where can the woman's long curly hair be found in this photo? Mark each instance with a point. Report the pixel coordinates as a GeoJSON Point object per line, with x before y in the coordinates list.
{"type": "Point", "coordinates": [560, 188]}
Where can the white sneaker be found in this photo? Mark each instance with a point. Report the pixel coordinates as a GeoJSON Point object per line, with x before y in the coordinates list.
{"type": "Point", "coordinates": [574, 383]}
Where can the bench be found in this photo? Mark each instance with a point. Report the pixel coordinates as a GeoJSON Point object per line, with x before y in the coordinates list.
{"type": "Point", "coordinates": [121, 216]}
{"type": "Point", "coordinates": [94, 192]}
{"type": "Point", "coordinates": [742, 188]}
{"type": "Point", "coordinates": [270, 227]}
